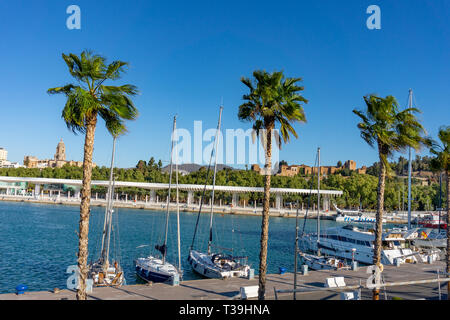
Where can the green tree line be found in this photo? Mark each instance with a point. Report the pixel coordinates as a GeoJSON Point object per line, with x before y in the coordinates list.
{"type": "Point", "coordinates": [358, 189]}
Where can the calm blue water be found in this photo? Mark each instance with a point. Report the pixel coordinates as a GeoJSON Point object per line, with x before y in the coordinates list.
{"type": "Point", "coordinates": [38, 242]}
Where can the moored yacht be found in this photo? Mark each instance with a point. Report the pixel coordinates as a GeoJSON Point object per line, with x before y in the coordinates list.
{"type": "Point", "coordinates": [215, 264]}
{"type": "Point", "coordinates": [353, 216]}
{"type": "Point", "coordinates": [102, 272]}
{"type": "Point", "coordinates": [317, 260]}
{"type": "Point", "coordinates": [353, 243]}
{"type": "Point", "coordinates": [155, 269]}
{"type": "Point", "coordinates": [218, 266]}
{"type": "Point", "coordinates": [432, 238]}
{"type": "Point", "coordinates": [433, 220]}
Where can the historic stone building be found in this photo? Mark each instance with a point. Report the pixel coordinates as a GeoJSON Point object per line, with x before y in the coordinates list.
{"type": "Point", "coordinates": [58, 161]}
{"type": "Point", "coordinates": [293, 170]}
{"type": "Point", "coordinates": [60, 151]}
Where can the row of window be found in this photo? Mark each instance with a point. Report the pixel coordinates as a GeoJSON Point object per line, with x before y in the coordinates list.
{"type": "Point", "coordinates": [345, 239]}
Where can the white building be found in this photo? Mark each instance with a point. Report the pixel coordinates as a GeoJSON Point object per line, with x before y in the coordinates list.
{"type": "Point", "coordinates": [5, 163]}
{"type": "Point", "coordinates": [3, 154]}
{"type": "Point", "coordinates": [9, 164]}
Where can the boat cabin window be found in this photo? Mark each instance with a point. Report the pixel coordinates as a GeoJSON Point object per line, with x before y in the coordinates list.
{"type": "Point", "coordinates": [345, 239]}
{"type": "Point", "coordinates": [386, 244]}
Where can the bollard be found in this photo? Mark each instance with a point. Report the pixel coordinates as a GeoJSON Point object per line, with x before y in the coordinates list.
{"type": "Point", "coordinates": [21, 288]}
{"type": "Point", "coordinates": [251, 274]}
{"type": "Point", "coordinates": [175, 280]}
{"type": "Point", "coordinates": [305, 269]}
{"type": "Point", "coordinates": [353, 295]}
{"type": "Point", "coordinates": [89, 284]}
{"type": "Point", "coordinates": [355, 265]}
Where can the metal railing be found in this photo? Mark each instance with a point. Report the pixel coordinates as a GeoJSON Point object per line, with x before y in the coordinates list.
{"type": "Point", "coordinates": [360, 286]}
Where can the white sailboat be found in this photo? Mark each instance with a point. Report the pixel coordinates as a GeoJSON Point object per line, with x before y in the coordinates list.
{"type": "Point", "coordinates": [158, 269]}
{"type": "Point", "coordinates": [218, 264]}
{"type": "Point", "coordinates": [317, 261]}
{"type": "Point", "coordinates": [102, 271]}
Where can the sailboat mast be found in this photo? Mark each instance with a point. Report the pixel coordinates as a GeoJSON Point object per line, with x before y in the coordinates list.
{"type": "Point", "coordinates": [440, 201]}
{"type": "Point", "coordinates": [168, 195]}
{"type": "Point", "coordinates": [177, 200]}
{"type": "Point", "coordinates": [409, 170]}
{"type": "Point", "coordinates": [105, 236]}
{"type": "Point", "coordinates": [296, 252]}
{"type": "Point", "coordinates": [318, 201]}
{"type": "Point", "coordinates": [109, 224]}
{"type": "Point", "coordinates": [216, 142]}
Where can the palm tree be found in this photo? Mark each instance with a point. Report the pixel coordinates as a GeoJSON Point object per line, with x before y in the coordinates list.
{"type": "Point", "coordinates": [86, 100]}
{"type": "Point", "coordinates": [390, 130]}
{"type": "Point", "coordinates": [438, 164]}
{"type": "Point", "coordinates": [272, 99]}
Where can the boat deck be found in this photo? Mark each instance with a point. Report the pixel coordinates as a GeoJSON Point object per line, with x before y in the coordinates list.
{"type": "Point", "coordinates": [216, 289]}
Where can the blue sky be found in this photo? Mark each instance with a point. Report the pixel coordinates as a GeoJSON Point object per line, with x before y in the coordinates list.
{"type": "Point", "coordinates": [185, 56]}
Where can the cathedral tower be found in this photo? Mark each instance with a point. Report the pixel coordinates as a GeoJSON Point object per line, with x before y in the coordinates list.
{"type": "Point", "coordinates": [60, 151]}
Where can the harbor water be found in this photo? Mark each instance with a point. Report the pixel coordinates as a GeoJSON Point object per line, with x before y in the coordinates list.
{"type": "Point", "coordinates": [38, 241]}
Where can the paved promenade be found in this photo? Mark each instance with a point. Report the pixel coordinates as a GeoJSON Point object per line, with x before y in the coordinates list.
{"type": "Point", "coordinates": [214, 289]}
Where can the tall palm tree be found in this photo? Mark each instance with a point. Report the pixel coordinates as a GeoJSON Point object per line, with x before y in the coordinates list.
{"type": "Point", "coordinates": [87, 100]}
{"type": "Point", "coordinates": [441, 163]}
{"type": "Point", "coordinates": [390, 130]}
{"type": "Point", "coordinates": [273, 99]}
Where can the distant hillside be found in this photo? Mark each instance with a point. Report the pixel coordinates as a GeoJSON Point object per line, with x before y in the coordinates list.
{"type": "Point", "coordinates": [193, 167]}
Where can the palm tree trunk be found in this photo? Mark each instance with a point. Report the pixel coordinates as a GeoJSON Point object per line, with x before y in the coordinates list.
{"type": "Point", "coordinates": [379, 221]}
{"type": "Point", "coordinates": [85, 206]}
{"type": "Point", "coordinates": [265, 219]}
{"type": "Point", "coordinates": [447, 173]}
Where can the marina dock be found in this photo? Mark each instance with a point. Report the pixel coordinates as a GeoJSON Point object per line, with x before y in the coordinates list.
{"type": "Point", "coordinates": [216, 289]}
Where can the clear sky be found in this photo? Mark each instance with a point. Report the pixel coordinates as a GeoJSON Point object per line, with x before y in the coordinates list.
{"type": "Point", "coordinates": [185, 56]}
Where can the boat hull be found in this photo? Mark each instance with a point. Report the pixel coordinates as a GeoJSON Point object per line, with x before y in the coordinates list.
{"type": "Point", "coordinates": [202, 264]}
{"type": "Point", "coordinates": [320, 263]}
{"type": "Point", "coordinates": [360, 248]}
{"type": "Point", "coordinates": [154, 270]}
{"type": "Point", "coordinates": [356, 219]}
{"type": "Point", "coordinates": [113, 277]}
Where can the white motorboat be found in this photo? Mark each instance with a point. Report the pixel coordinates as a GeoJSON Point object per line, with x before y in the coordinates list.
{"type": "Point", "coordinates": [350, 216]}
{"type": "Point", "coordinates": [350, 242]}
{"type": "Point", "coordinates": [432, 238]}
